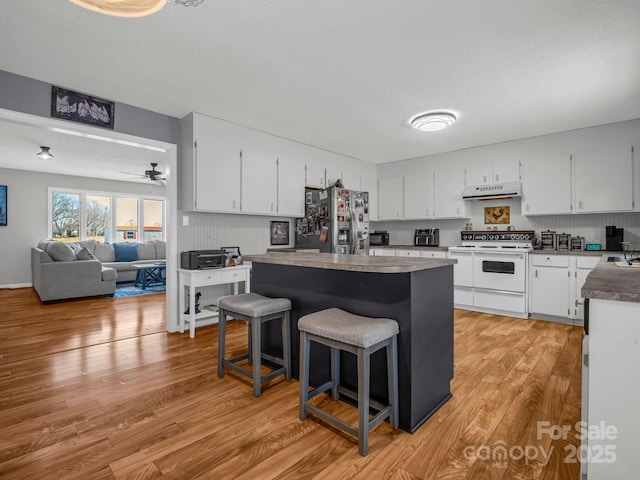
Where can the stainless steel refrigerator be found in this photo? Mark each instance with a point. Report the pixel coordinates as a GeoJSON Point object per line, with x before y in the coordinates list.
{"type": "Point", "coordinates": [336, 221]}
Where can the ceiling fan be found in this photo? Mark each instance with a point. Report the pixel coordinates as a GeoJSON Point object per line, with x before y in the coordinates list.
{"type": "Point", "coordinates": [153, 174]}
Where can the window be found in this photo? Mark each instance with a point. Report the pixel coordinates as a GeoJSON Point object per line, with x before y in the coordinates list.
{"type": "Point", "coordinates": [65, 220]}
{"type": "Point", "coordinates": [127, 219]}
{"type": "Point", "coordinates": [98, 224]}
{"type": "Point", "coordinates": [107, 217]}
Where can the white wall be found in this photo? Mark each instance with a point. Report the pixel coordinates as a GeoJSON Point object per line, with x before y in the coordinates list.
{"type": "Point", "coordinates": [27, 215]}
{"type": "Point", "coordinates": [590, 226]}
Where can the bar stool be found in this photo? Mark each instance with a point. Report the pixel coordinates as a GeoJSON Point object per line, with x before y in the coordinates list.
{"type": "Point", "coordinates": [361, 336]}
{"type": "Point", "coordinates": [256, 310]}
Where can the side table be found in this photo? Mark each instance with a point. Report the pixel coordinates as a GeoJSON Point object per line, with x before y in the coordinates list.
{"type": "Point", "coordinates": [190, 279]}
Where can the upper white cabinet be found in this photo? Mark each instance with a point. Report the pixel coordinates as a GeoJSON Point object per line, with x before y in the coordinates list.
{"type": "Point", "coordinates": [291, 180]}
{"type": "Point", "coordinates": [211, 147]}
{"type": "Point", "coordinates": [314, 176]}
{"type": "Point", "coordinates": [448, 183]}
{"type": "Point", "coordinates": [259, 182]}
{"type": "Point", "coordinates": [546, 185]}
{"type": "Point", "coordinates": [390, 198]}
{"type": "Point", "coordinates": [494, 173]}
{"type": "Point", "coordinates": [604, 180]}
{"type": "Point", "coordinates": [418, 195]}
{"type": "Point", "coordinates": [334, 174]}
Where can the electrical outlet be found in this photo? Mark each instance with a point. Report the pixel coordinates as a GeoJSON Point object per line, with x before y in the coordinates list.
{"type": "Point", "coordinates": [185, 220]}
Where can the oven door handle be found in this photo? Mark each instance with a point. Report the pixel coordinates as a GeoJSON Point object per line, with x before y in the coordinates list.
{"type": "Point", "coordinates": [499, 255]}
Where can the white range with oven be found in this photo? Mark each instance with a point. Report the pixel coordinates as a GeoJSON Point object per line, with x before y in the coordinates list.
{"type": "Point", "coordinates": [491, 273]}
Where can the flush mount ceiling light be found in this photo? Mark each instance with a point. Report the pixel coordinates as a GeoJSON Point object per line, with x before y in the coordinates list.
{"type": "Point", "coordinates": [122, 8]}
{"type": "Point", "coordinates": [432, 121]}
{"type": "Point", "coordinates": [44, 153]}
{"type": "Point", "coordinates": [130, 8]}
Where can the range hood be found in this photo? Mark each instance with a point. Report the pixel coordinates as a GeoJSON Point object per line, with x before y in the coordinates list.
{"type": "Point", "coordinates": [491, 192]}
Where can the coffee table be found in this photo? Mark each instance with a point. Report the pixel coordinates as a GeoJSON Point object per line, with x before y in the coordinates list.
{"type": "Point", "coordinates": [151, 274]}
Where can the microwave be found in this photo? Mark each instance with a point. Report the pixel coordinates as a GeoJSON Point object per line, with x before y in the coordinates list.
{"type": "Point", "coordinates": [378, 238]}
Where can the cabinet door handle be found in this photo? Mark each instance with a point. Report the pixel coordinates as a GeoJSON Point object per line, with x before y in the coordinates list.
{"type": "Point", "coordinates": [535, 273]}
{"type": "Point", "coordinates": [484, 179]}
{"type": "Point", "coordinates": [580, 204]}
{"type": "Point", "coordinates": [233, 204]}
{"type": "Point", "coordinates": [497, 177]}
{"type": "Point", "coordinates": [272, 207]}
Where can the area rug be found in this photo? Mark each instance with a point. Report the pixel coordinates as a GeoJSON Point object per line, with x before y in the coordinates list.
{"type": "Point", "coordinates": [128, 289]}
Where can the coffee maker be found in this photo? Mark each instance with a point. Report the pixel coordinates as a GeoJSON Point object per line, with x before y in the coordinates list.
{"type": "Point", "coordinates": [614, 238]}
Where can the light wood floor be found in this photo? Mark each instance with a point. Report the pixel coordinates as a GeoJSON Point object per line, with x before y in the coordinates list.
{"type": "Point", "coordinates": [96, 389]}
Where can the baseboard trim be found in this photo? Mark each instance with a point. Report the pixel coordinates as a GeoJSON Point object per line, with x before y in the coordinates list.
{"type": "Point", "coordinates": [17, 285]}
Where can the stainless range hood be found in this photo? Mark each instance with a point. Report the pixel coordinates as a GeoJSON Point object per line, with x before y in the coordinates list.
{"type": "Point", "coordinates": [492, 192]}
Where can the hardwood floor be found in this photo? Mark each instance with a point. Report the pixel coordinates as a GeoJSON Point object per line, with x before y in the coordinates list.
{"type": "Point", "coordinates": [96, 389]}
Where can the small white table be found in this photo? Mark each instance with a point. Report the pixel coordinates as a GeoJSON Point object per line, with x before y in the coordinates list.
{"type": "Point", "coordinates": [205, 278]}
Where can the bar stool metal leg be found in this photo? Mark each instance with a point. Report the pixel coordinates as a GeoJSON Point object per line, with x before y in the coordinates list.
{"type": "Point", "coordinates": [304, 374]}
{"type": "Point", "coordinates": [392, 376]}
{"type": "Point", "coordinates": [222, 333]}
{"type": "Point", "coordinates": [364, 372]}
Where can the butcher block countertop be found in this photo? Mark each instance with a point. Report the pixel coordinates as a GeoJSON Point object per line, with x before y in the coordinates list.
{"type": "Point", "coordinates": [353, 263]}
{"type": "Point", "coordinates": [610, 282]}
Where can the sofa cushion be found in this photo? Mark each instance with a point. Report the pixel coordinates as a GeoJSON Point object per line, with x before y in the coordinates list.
{"type": "Point", "coordinates": [108, 274]}
{"type": "Point", "coordinates": [161, 249]}
{"type": "Point", "coordinates": [147, 250]}
{"type": "Point", "coordinates": [44, 243]}
{"type": "Point", "coordinates": [125, 252]}
{"type": "Point", "coordinates": [104, 252]}
{"type": "Point", "coordinates": [90, 244]}
{"type": "Point", "coordinates": [61, 252]}
{"type": "Point", "coordinates": [85, 254]}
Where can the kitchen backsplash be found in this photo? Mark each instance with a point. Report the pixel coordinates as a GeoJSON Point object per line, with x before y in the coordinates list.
{"type": "Point", "coordinates": [589, 226]}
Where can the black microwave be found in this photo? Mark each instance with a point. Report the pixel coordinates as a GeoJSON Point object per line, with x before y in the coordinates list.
{"type": "Point", "coordinates": [379, 238]}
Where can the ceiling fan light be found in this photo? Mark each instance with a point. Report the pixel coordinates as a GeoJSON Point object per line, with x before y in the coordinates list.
{"type": "Point", "coordinates": [44, 153]}
{"type": "Point", "coordinates": [122, 8]}
{"type": "Point", "coordinates": [433, 121]}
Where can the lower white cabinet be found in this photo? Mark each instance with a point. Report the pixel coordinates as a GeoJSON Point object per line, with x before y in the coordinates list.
{"type": "Point", "coordinates": [408, 253]}
{"type": "Point", "coordinates": [382, 252]}
{"type": "Point", "coordinates": [433, 254]}
{"type": "Point", "coordinates": [549, 286]}
{"type": "Point", "coordinates": [555, 285]}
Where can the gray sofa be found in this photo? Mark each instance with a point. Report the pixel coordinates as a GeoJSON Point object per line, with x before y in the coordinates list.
{"type": "Point", "coordinates": [87, 268]}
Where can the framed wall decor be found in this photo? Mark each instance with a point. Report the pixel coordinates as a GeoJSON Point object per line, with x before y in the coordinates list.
{"type": "Point", "coordinates": [279, 233]}
{"type": "Point", "coordinates": [497, 215]}
{"type": "Point", "coordinates": [81, 108]}
{"type": "Point", "coordinates": [3, 205]}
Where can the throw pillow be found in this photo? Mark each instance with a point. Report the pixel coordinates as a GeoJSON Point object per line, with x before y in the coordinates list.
{"type": "Point", "coordinates": [104, 252]}
{"type": "Point", "coordinates": [60, 252]}
{"type": "Point", "coordinates": [161, 249]}
{"type": "Point", "coordinates": [125, 252]}
{"type": "Point", "coordinates": [85, 254]}
{"type": "Point", "coordinates": [146, 250]}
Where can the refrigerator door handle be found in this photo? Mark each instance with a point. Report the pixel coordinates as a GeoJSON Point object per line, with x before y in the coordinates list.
{"type": "Point", "coordinates": [354, 236]}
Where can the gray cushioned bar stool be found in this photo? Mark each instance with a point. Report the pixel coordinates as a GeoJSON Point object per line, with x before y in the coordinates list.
{"type": "Point", "coordinates": [361, 336]}
{"type": "Point", "coordinates": [256, 310]}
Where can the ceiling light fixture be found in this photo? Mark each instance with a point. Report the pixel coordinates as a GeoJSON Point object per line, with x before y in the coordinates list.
{"type": "Point", "coordinates": [432, 121]}
{"type": "Point", "coordinates": [44, 153]}
{"type": "Point", "coordinates": [130, 8]}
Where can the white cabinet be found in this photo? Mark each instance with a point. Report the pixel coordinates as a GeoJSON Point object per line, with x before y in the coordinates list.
{"type": "Point", "coordinates": [549, 286]}
{"type": "Point", "coordinates": [433, 254]}
{"type": "Point", "coordinates": [418, 195]}
{"type": "Point", "coordinates": [382, 252]}
{"type": "Point", "coordinates": [291, 180]}
{"type": "Point", "coordinates": [604, 180]}
{"type": "Point", "coordinates": [333, 174]}
{"type": "Point", "coordinates": [314, 176]}
{"type": "Point", "coordinates": [496, 172]}
{"type": "Point", "coordinates": [546, 185]}
{"type": "Point", "coordinates": [390, 198]}
{"type": "Point", "coordinates": [555, 285]}
{"type": "Point", "coordinates": [408, 253]}
{"type": "Point", "coordinates": [448, 183]}
{"type": "Point", "coordinates": [259, 191]}
{"type": "Point", "coordinates": [583, 266]}
{"type": "Point", "coordinates": [210, 147]}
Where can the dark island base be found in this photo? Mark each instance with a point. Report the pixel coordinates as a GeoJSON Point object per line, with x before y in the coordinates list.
{"type": "Point", "coordinates": [421, 302]}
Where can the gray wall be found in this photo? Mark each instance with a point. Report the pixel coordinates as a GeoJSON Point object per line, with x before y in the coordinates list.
{"type": "Point", "coordinates": [27, 215]}
{"type": "Point", "coordinates": [26, 95]}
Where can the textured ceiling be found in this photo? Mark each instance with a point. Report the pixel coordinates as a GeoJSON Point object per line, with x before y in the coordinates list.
{"type": "Point", "coordinates": [347, 75]}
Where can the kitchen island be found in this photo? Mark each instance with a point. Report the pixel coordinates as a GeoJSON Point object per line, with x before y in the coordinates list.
{"type": "Point", "coordinates": [416, 292]}
{"type": "Point", "coordinates": [610, 382]}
